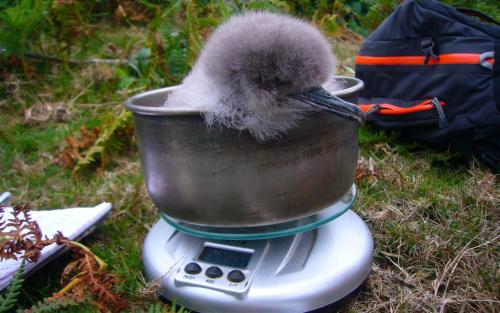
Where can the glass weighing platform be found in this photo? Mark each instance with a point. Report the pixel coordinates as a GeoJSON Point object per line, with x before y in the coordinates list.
{"type": "Point", "coordinates": [268, 231]}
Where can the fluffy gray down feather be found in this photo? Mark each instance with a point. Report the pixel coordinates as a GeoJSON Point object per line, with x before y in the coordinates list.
{"type": "Point", "coordinates": [248, 68]}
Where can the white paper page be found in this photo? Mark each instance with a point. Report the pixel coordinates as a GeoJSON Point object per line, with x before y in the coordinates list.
{"type": "Point", "coordinates": [73, 223]}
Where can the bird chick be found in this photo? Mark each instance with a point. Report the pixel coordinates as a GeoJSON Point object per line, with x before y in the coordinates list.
{"type": "Point", "coordinates": [248, 69]}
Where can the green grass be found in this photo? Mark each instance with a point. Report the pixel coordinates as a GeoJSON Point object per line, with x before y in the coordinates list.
{"type": "Point", "coordinates": [434, 216]}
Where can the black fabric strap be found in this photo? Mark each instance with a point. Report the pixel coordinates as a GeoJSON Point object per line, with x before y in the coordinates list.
{"type": "Point", "coordinates": [478, 14]}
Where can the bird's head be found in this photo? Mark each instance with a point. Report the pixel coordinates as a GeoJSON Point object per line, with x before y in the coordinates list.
{"type": "Point", "coordinates": [268, 53]}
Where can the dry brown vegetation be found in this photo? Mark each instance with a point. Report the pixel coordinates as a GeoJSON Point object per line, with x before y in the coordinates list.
{"type": "Point", "coordinates": [437, 241]}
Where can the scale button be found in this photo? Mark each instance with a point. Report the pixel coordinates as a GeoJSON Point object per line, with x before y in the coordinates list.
{"type": "Point", "coordinates": [192, 268]}
{"type": "Point", "coordinates": [236, 276]}
{"type": "Point", "coordinates": [213, 272]}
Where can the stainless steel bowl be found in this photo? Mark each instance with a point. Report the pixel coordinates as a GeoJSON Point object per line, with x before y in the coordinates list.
{"type": "Point", "coordinates": [223, 177]}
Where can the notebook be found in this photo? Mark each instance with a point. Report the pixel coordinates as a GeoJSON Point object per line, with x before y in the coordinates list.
{"type": "Point", "coordinates": [74, 223]}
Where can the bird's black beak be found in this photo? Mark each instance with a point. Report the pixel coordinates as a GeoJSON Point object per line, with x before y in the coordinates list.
{"type": "Point", "coordinates": [321, 99]}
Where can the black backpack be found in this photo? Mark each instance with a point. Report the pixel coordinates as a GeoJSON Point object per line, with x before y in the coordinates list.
{"type": "Point", "coordinates": [430, 72]}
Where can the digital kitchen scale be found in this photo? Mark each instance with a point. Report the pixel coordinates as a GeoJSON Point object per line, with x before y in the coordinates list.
{"type": "Point", "coordinates": [296, 266]}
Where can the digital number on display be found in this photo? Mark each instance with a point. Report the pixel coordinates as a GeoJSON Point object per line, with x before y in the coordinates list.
{"type": "Point", "coordinates": [224, 257]}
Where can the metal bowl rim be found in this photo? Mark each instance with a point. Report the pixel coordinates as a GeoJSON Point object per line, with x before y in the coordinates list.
{"type": "Point", "coordinates": [166, 111]}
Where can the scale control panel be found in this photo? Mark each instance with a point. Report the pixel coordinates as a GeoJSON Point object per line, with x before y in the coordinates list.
{"type": "Point", "coordinates": [228, 267]}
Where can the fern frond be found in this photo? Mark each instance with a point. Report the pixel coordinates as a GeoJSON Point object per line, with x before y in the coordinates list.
{"type": "Point", "coordinates": [157, 308]}
{"type": "Point", "coordinates": [107, 142]}
{"type": "Point", "coordinates": [54, 304]}
{"type": "Point", "coordinates": [163, 308]}
{"type": "Point", "coordinates": [8, 300]}
{"type": "Point", "coordinates": [173, 309]}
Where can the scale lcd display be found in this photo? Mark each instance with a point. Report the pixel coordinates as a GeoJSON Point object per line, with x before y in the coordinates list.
{"type": "Point", "coordinates": [224, 257]}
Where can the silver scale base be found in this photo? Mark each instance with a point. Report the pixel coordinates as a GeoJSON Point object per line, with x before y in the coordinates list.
{"type": "Point", "coordinates": [295, 273]}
